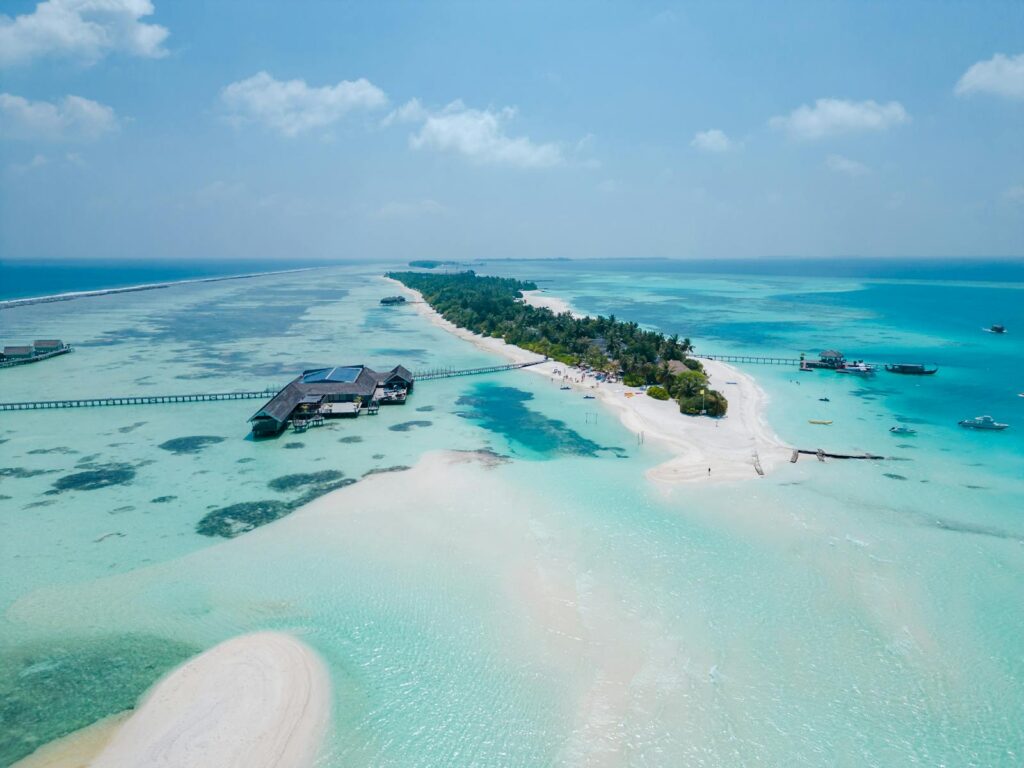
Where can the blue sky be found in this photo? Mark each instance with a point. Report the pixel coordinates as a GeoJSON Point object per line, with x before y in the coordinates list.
{"type": "Point", "coordinates": [330, 130]}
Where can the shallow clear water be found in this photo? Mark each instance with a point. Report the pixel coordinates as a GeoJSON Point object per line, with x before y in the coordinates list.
{"type": "Point", "coordinates": [555, 608]}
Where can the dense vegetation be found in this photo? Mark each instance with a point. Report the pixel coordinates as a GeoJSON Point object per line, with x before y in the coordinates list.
{"type": "Point", "coordinates": [491, 306]}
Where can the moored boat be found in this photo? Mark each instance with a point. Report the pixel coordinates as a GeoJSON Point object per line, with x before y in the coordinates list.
{"type": "Point", "coordinates": [997, 328]}
{"type": "Point", "coordinates": [823, 422]}
{"type": "Point", "coordinates": [859, 368]}
{"type": "Point", "coordinates": [902, 430]}
{"type": "Point", "coordinates": [911, 369]}
{"type": "Point", "coordinates": [983, 422]}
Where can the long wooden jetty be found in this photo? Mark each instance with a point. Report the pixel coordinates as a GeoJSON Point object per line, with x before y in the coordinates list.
{"type": "Point", "coordinates": [751, 359]}
{"type": "Point", "coordinates": [98, 402]}
{"type": "Point", "coordinates": [447, 373]}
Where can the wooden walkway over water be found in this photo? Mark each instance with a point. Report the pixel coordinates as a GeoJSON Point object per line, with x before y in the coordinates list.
{"type": "Point", "coordinates": [751, 359]}
{"type": "Point", "coordinates": [447, 373]}
{"type": "Point", "coordinates": [266, 394]}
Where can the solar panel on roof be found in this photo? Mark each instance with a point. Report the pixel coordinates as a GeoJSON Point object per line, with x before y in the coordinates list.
{"type": "Point", "coordinates": [340, 375]}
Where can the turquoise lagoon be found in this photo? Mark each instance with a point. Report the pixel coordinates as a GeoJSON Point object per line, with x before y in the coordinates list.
{"type": "Point", "coordinates": [551, 607]}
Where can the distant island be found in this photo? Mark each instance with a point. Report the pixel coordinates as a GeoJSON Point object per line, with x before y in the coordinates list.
{"type": "Point", "coordinates": [493, 306]}
{"type": "Point", "coordinates": [427, 264]}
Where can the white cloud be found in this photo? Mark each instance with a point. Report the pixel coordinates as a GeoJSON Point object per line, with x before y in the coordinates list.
{"type": "Point", "coordinates": [1016, 194]}
{"type": "Point", "coordinates": [291, 107]}
{"type": "Point", "coordinates": [1000, 76]}
{"type": "Point", "coordinates": [82, 29]}
{"type": "Point", "coordinates": [478, 134]}
{"type": "Point", "coordinates": [71, 119]}
{"type": "Point", "coordinates": [841, 164]}
{"type": "Point", "coordinates": [713, 140]}
{"type": "Point", "coordinates": [834, 116]}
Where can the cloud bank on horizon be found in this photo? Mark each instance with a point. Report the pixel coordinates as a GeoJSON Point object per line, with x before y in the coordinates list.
{"type": "Point", "coordinates": [304, 133]}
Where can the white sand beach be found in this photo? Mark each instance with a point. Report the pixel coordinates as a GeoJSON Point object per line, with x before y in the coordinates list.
{"type": "Point", "coordinates": [257, 701]}
{"type": "Point", "coordinates": [730, 447]}
{"type": "Point", "coordinates": [541, 298]}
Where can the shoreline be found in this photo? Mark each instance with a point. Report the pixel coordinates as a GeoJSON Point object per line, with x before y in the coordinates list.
{"type": "Point", "coordinates": [727, 446]}
{"type": "Point", "coordinates": [71, 295]}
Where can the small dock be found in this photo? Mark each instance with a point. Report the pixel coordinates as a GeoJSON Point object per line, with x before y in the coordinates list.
{"type": "Point", "coordinates": [822, 455]}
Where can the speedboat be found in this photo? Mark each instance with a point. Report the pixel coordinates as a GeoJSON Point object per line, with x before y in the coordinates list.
{"type": "Point", "coordinates": [912, 369]}
{"type": "Point", "coordinates": [824, 400]}
{"type": "Point", "coordinates": [857, 369]}
{"type": "Point", "coordinates": [997, 328]}
{"type": "Point", "coordinates": [983, 422]}
{"type": "Point", "coordinates": [901, 430]}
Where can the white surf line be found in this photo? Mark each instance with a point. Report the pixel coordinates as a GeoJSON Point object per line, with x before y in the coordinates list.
{"type": "Point", "coordinates": [10, 303]}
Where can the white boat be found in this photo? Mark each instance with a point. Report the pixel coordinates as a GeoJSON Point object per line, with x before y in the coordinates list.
{"type": "Point", "coordinates": [983, 422]}
{"type": "Point", "coordinates": [858, 369]}
{"type": "Point", "coordinates": [902, 430]}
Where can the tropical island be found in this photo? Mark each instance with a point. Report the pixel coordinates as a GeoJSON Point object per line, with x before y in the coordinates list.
{"type": "Point", "coordinates": [494, 307]}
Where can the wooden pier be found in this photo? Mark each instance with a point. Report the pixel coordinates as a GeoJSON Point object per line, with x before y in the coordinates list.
{"type": "Point", "coordinates": [99, 402]}
{"type": "Point", "coordinates": [751, 359]}
{"type": "Point", "coordinates": [447, 373]}
{"type": "Point", "coordinates": [822, 455]}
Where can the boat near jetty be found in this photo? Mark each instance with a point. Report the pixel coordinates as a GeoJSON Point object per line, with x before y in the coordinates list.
{"type": "Point", "coordinates": [859, 368]}
{"type": "Point", "coordinates": [983, 422]}
{"type": "Point", "coordinates": [911, 369]}
{"type": "Point", "coordinates": [902, 430]}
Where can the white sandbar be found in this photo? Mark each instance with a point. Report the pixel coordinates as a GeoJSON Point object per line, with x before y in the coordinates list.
{"type": "Point", "coordinates": [255, 701]}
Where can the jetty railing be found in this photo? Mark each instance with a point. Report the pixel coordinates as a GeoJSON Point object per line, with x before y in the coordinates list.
{"type": "Point", "coordinates": [97, 402]}
{"type": "Point", "coordinates": [265, 394]}
{"type": "Point", "coordinates": [750, 359]}
{"type": "Point", "coordinates": [447, 373]}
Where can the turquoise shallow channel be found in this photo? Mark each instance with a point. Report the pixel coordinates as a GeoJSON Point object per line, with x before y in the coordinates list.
{"type": "Point", "coordinates": [488, 574]}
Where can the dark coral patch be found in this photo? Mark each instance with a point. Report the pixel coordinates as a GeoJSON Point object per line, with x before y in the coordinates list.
{"type": "Point", "coordinates": [405, 426]}
{"type": "Point", "coordinates": [190, 444]}
{"type": "Point", "coordinates": [351, 439]}
{"type": "Point", "coordinates": [302, 479]}
{"type": "Point", "coordinates": [241, 518]}
{"type": "Point", "coordinates": [294, 446]}
{"type": "Point", "coordinates": [103, 476]}
{"type": "Point", "coordinates": [21, 473]}
{"type": "Point", "coordinates": [162, 499]}
{"type": "Point", "coordinates": [386, 470]}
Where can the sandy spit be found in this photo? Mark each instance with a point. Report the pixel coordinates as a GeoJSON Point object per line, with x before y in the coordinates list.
{"type": "Point", "coordinates": [256, 701]}
{"type": "Point", "coordinates": [706, 450]}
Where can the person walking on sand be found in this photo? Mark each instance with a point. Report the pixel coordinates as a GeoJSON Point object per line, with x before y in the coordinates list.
{"type": "Point", "coordinates": [709, 471]}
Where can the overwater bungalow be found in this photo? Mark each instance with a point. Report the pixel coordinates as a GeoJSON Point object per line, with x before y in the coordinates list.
{"type": "Point", "coordinates": [331, 393]}
{"type": "Point", "coordinates": [18, 352]}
